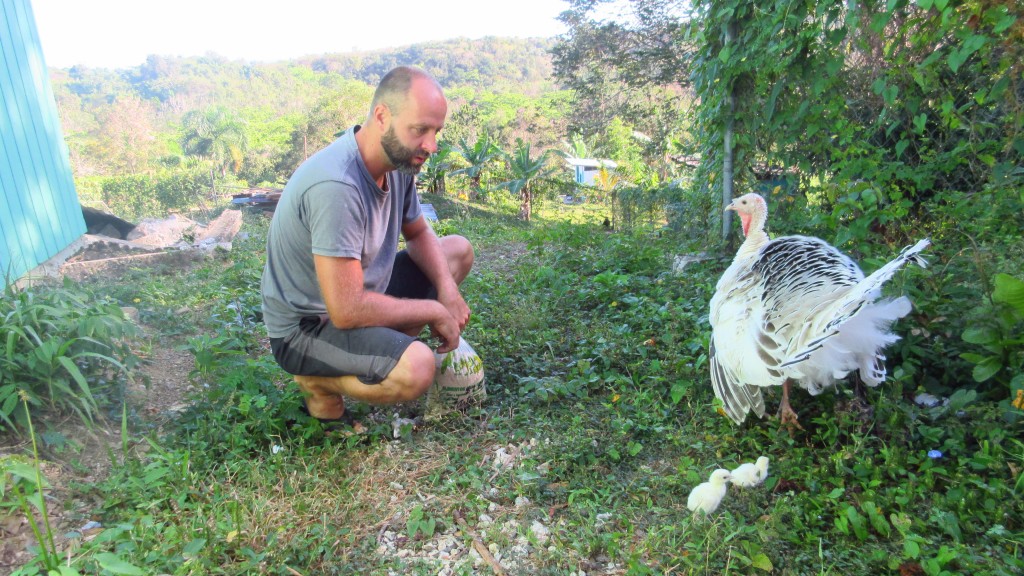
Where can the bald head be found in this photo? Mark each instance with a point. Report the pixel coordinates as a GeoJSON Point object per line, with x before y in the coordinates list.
{"type": "Point", "coordinates": [395, 86]}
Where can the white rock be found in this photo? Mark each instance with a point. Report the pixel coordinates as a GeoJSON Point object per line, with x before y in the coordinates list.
{"type": "Point", "coordinates": [540, 532]}
{"type": "Point", "coordinates": [502, 459]}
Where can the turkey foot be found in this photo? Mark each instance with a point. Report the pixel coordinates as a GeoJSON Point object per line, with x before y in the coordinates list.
{"type": "Point", "coordinates": [787, 416]}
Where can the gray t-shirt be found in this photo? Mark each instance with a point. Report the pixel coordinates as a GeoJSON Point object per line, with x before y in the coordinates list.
{"type": "Point", "coordinates": [331, 206]}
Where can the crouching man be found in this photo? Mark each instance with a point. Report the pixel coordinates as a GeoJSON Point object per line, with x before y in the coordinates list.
{"type": "Point", "coordinates": [342, 305]}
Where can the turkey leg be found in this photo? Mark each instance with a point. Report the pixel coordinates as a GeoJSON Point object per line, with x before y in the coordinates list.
{"type": "Point", "coordinates": [787, 416]}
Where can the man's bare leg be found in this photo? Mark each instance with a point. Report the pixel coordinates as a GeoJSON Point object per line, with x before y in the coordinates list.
{"type": "Point", "coordinates": [411, 377]}
{"type": "Point", "coordinates": [459, 253]}
{"type": "Point", "coordinates": [408, 380]}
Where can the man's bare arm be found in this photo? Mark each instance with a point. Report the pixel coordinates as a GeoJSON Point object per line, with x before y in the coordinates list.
{"type": "Point", "coordinates": [425, 250]}
{"type": "Point", "coordinates": [349, 305]}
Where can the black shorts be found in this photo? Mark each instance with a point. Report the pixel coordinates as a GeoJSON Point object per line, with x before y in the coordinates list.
{"type": "Point", "coordinates": [317, 348]}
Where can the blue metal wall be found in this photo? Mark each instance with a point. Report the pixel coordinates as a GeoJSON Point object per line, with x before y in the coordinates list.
{"type": "Point", "coordinates": [39, 210]}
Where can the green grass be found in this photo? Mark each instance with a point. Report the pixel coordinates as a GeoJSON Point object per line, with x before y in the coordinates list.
{"type": "Point", "coordinates": [595, 355]}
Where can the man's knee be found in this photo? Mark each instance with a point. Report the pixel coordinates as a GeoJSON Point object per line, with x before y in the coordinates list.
{"type": "Point", "coordinates": [460, 255]}
{"type": "Point", "coordinates": [417, 367]}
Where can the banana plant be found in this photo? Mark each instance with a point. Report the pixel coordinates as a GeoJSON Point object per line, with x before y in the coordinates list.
{"type": "Point", "coordinates": [436, 168]}
{"type": "Point", "coordinates": [525, 171]}
{"type": "Point", "coordinates": [477, 155]}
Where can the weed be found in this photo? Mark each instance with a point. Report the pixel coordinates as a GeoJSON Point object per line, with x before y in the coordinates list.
{"type": "Point", "coordinates": [64, 349]}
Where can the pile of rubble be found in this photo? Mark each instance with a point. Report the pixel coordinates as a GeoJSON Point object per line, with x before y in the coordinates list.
{"type": "Point", "coordinates": [111, 243]}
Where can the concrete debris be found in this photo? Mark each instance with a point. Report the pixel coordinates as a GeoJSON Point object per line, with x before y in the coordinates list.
{"type": "Point", "coordinates": [175, 240]}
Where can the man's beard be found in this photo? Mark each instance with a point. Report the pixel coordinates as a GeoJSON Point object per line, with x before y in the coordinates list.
{"type": "Point", "coordinates": [400, 156]}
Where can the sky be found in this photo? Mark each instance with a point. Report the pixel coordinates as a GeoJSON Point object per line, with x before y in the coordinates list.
{"type": "Point", "coordinates": [122, 33]}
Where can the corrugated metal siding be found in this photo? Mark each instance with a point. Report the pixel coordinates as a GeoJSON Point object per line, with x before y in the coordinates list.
{"type": "Point", "coordinates": [40, 214]}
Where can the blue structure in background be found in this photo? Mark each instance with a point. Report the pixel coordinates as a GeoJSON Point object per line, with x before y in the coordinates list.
{"type": "Point", "coordinates": [40, 214]}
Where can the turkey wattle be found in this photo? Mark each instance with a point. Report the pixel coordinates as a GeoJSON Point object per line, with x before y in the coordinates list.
{"type": "Point", "coordinates": [796, 309]}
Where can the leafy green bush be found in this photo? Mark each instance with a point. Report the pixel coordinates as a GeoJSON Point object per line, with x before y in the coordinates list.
{"type": "Point", "coordinates": [138, 196]}
{"type": "Point", "coordinates": [998, 332]}
{"type": "Point", "coordinates": [64, 348]}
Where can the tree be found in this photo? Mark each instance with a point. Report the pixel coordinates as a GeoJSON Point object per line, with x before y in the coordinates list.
{"type": "Point", "coordinates": [216, 135]}
{"type": "Point", "coordinates": [324, 122]}
{"type": "Point", "coordinates": [129, 133]}
{"type": "Point", "coordinates": [580, 147]}
{"type": "Point", "coordinates": [622, 58]}
{"type": "Point", "coordinates": [525, 171]}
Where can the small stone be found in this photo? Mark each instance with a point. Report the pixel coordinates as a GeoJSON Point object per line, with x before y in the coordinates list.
{"type": "Point", "coordinates": [540, 532]}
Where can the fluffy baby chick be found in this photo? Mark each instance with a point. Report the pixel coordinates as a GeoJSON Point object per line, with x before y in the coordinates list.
{"type": "Point", "coordinates": [708, 495]}
{"type": "Point", "coordinates": [749, 475]}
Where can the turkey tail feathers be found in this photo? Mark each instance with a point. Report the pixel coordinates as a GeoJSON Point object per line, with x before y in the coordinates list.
{"type": "Point", "coordinates": [863, 295]}
{"type": "Point", "coordinates": [737, 399]}
{"type": "Point", "coordinates": [852, 303]}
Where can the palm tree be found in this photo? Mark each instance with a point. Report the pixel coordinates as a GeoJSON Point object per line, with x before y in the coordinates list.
{"type": "Point", "coordinates": [214, 134]}
{"type": "Point", "coordinates": [477, 156]}
{"type": "Point", "coordinates": [525, 171]}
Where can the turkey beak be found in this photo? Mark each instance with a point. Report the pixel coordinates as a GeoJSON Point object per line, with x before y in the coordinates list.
{"type": "Point", "coordinates": [731, 206]}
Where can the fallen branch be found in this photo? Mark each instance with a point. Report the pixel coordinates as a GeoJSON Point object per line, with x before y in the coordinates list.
{"type": "Point", "coordinates": [479, 545]}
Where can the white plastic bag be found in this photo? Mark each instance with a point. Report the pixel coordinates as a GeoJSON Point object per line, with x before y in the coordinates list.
{"type": "Point", "coordinates": [458, 382]}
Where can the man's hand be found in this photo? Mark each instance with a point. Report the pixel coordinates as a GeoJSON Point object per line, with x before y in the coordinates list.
{"type": "Point", "coordinates": [456, 306]}
{"type": "Point", "coordinates": [447, 330]}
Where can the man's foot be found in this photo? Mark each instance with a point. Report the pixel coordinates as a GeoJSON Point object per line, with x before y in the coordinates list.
{"type": "Point", "coordinates": [320, 404]}
{"type": "Point", "coordinates": [344, 421]}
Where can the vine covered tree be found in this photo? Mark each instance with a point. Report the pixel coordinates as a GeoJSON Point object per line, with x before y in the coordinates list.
{"type": "Point", "coordinates": [891, 101]}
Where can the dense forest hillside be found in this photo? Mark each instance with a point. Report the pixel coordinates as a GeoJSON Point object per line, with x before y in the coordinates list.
{"type": "Point", "coordinates": [496, 64]}
{"type": "Point", "coordinates": [265, 116]}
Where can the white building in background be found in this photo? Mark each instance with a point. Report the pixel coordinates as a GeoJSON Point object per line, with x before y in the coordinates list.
{"type": "Point", "coordinates": [587, 169]}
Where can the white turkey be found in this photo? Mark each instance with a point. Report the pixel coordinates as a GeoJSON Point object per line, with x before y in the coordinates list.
{"type": "Point", "coordinates": [796, 309]}
{"type": "Point", "coordinates": [750, 474]}
{"type": "Point", "coordinates": [706, 496]}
